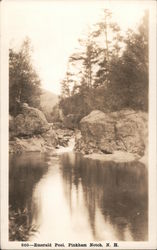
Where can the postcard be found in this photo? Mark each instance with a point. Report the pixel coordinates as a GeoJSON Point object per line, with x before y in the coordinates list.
{"type": "Point", "coordinates": [78, 124]}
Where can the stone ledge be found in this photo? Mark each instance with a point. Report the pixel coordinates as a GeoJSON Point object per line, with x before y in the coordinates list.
{"type": "Point", "coordinates": [116, 156]}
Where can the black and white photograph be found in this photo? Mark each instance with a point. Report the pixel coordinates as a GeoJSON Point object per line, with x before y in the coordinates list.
{"type": "Point", "coordinates": [78, 124]}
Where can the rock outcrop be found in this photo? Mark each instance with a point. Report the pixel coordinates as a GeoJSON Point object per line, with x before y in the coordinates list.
{"type": "Point", "coordinates": [31, 121]}
{"type": "Point", "coordinates": [125, 130]}
{"type": "Point", "coordinates": [30, 131]}
{"type": "Point", "coordinates": [32, 144]}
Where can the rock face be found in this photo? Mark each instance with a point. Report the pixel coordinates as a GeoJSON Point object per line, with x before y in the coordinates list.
{"type": "Point", "coordinates": [125, 130]}
{"type": "Point", "coordinates": [31, 121]}
{"type": "Point", "coordinates": [36, 143]}
{"type": "Point", "coordinates": [30, 131]}
{"type": "Point", "coordinates": [32, 144]}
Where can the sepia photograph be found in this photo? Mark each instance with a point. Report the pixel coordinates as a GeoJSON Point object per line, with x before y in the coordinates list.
{"type": "Point", "coordinates": [78, 124]}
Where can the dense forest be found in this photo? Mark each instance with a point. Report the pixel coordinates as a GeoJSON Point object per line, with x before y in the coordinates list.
{"type": "Point", "coordinates": [109, 70]}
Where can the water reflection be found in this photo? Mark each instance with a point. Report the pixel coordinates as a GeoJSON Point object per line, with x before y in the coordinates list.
{"type": "Point", "coordinates": [72, 198]}
{"type": "Point", "coordinates": [115, 196]}
{"type": "Point", "coordinates": [24, 172]}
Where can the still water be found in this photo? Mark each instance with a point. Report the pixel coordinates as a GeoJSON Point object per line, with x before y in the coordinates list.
{"type": "Point", "coordinates": [72, 198]}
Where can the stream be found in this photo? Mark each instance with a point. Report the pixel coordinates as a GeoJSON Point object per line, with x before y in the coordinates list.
{"type": "Point", "coordinates": [69, 197]}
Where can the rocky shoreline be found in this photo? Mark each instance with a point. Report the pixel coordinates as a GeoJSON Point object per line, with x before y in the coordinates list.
{"type": "Point", "coordinates": [49, 141]}
{"type": "Point", "coordinates": [118, 156]}
{"type": "Point", "coordinates": [30, 132]}
{"type": "Point", "coordinates": [117, 136]}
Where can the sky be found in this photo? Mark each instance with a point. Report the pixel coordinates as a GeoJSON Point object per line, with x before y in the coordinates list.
{"type": "Point", "coordinates": [54, 27]}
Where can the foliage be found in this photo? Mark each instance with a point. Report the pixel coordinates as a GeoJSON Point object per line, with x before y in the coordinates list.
{"type": "Point", "coordinates": [24, 83]}
{"type": "Point", "coordinates": [20, 227]}
{"type": "Point", "coordinates": [56, 114]}
{"type": "Point", "coordinates": [16, 231]}
{"type": "Point", "coordinates": [129, 73]}
{"type": "Point", "coordinates": [108, 72]}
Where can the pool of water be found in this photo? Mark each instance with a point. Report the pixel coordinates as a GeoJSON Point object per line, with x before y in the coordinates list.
{"type": "Point", "coordinates": [68, 197]}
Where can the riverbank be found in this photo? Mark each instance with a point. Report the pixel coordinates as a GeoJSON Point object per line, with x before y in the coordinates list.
{"type": "Point", "coordinates": [116, 136]}
{"type": "Point", "coordinates": [30, 131]}
{"type": "Point", "coordinates": [117, 156]}
{"type": "Point", "coordinates": [52, 140]}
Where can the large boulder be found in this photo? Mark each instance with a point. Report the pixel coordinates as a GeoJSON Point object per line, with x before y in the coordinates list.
{"type": "Point", "coordinates": [31, 121]}
{"type": "Point", "coordinates": [125, 130]}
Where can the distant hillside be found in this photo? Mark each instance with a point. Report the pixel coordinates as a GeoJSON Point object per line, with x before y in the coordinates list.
{"type": "Point", "coordinates": [47, 101]}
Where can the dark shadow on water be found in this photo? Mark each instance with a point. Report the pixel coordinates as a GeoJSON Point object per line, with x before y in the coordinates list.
{"type": "Point", "coordinates": [115, 195]}
{"type": "Point", "coordinates": [25, 171]}
{"type": "Point", "coordinates": [119, 190]}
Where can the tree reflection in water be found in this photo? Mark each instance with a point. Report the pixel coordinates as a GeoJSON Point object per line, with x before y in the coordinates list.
{"type": "Point", "coordinates": [115, 194]}
{"type": "Point", "coordinates": [25, 171]}
{"type": "Point", "coordinates": [76, 198]}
